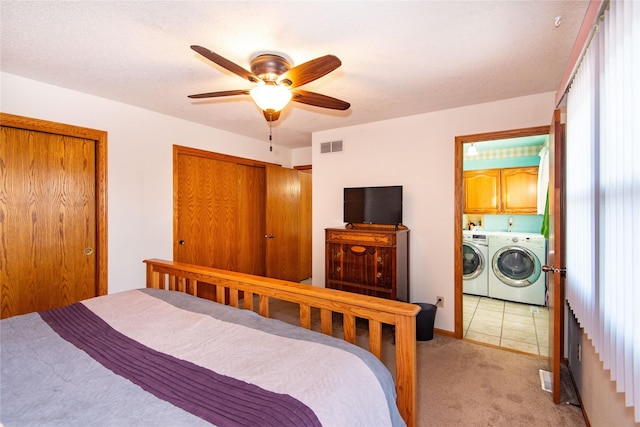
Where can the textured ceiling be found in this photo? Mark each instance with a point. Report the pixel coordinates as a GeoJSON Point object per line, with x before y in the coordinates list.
{"type": "Point", "coordinates": [398, 58]}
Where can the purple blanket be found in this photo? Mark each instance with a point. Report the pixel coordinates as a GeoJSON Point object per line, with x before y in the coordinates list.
{"type": "Point", "coordinates": [219, 399]}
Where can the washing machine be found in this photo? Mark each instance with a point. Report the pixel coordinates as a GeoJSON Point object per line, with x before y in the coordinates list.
{"type": "Point", "coordinates": [475, 263]}
{"type": "Point", "coordinates": [516, 267]}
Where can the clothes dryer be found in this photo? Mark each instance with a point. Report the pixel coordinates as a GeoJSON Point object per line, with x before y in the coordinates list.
{"type": "Point", "coordinates": [475, 263]}
{"type": "Point", "coordinates": [516, 267]}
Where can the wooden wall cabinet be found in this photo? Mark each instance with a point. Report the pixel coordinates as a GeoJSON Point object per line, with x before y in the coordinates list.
{"type": "Point", "coordinates": [501, 191]}
{"type": "Point", "coordinates": [482, 191]}
{"type": "Point", "coordinates": [368, 261]}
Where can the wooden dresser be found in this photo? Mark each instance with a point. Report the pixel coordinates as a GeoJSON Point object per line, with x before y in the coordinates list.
{"type": "Point", "coordinates": [368, 260]}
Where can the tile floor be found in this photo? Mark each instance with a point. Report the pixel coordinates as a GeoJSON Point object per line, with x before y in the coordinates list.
{"type": "Point", "coordinates": [506, 324]}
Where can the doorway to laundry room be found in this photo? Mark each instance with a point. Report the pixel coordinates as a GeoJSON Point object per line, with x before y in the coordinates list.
{"type": "Point", "coordinates": [501, 183]}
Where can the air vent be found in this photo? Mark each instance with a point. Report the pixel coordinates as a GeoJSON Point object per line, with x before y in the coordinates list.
{"type": "Point", "coordinates": [331, 147]}
{"type": "Point", "coordinates": [325, 147]}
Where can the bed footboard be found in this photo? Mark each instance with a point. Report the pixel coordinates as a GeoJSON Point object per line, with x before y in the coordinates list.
{"type": "Point", "coordinates": [230, 285]}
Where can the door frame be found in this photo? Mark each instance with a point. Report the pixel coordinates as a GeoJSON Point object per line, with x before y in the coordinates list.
{"type": "Point", "coordinates": [100, 138]}
{"type": "Point", "coordinates": [458, 205]}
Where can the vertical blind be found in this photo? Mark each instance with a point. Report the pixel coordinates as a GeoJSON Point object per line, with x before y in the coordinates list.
{"type": "Point", "coordinates": [603, 196]}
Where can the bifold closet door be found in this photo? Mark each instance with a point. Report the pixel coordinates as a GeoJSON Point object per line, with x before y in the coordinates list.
{"type": "Point", "coordinates": [219, 214]}
{"type": "Point", "coordinates": [241, 215]}
{"type": "Point", "coordinates": [283, 223]}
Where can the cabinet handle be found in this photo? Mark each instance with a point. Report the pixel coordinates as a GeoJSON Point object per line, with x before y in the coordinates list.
{"type": "Point", "coordinates": [379, 275]}
{"type": "Point", "coordinates": [379, 259]}
{"type": "Point", "coordinates": [269, 236]}
{"type": "Point", "coordinates": [337, 268]}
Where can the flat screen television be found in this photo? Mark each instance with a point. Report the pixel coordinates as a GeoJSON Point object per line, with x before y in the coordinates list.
{"type": "Point", "coordinates": [373, 205]}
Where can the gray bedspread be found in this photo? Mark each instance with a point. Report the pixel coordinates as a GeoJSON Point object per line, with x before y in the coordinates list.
{"type": "Point", "coordinates": [152, 357]}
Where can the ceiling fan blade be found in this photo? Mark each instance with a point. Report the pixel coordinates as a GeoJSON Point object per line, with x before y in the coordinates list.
{"type": "Point", "coordinates": [219, 94]}
{"type": "Point", "coordinates": [271, 116]}
{"type": "Point", "coordinates": [318, 100]}
{"type": "Point", "coordinates": [310, 71]}
{"type": "Point", "coordinates": [225, 63]}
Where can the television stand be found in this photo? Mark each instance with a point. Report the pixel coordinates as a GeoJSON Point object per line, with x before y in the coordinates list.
{"type": "Point", "coordinates": [368, 259]}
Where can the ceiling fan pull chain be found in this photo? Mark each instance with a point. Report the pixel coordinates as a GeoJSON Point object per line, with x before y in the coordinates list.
{"type": "Point", "coordinates": [270, 139]}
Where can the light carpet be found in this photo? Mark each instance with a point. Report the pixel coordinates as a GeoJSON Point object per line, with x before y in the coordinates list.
{"type": "Point", "coordinates": [461, 383]}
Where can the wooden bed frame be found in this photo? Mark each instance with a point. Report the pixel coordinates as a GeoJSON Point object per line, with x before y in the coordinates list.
{"type": "Point", "coordinates": [230, 285]}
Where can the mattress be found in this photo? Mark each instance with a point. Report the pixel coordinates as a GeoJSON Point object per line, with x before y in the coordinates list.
{"type": "Point", "coordinates": [157, 357]}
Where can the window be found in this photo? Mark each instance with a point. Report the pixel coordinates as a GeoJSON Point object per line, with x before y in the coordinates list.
{"type": "Point", "coordinates": [603, 195]}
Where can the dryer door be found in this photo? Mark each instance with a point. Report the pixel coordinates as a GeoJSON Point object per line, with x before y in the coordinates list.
{"type": "Point", "coordinates": [516, 266]}
{"type": "Point", "coordinates": [473, 262]}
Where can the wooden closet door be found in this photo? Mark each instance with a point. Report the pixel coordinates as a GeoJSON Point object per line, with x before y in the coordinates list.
{"type": "Point", "coordinates": [219, 213]}
{"type": "Point", "coordinates": [251, 214]}
{"type": "Point", "coordinates": [47, 220]}
{"type": "Point", "coordinates": [207, 211]}
{"type": "Point", "coordinates": [225, 209]}
{"type": "Point", "coordinates": [306, 230]}
{"type": "Point", "coordinates": [283, 223]}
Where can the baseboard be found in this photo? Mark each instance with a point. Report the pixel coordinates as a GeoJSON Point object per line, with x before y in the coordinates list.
{"type": "Point", "coordinates": [443, 332]}
{"type": "Point", "coordinates": [573, 382]}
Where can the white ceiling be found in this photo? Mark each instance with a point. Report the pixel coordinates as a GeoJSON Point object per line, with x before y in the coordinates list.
{"type": "Point", "coordinates": [398, 58]}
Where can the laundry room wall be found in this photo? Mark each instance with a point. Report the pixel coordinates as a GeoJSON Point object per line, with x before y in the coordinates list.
{"type": "Point", "coordinates": [521, 223]}
{"type": "Point", "coordinates": [523, 157]}
{"type": "Point", "coordinates": [510, 162]}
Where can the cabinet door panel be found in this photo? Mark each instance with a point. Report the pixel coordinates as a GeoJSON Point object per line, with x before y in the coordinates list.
{"type": "Point", "coordinates": [371, 268]}
{"type": "Point", "coordinates": [383, 260]}
{"type": "Point", "coordinates": [519, 190]}
{"type": "Point", "coordinates": [373, 265]}
{"type": "Point", "coordinates": [481, 191]}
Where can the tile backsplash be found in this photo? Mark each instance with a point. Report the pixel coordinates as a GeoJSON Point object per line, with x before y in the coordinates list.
{"type": "Point", "coordinates": [521, 223]}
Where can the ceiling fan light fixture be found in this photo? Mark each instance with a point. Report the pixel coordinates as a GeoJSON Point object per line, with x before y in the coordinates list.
{"type": "Point", "coordinates": [271, 96]}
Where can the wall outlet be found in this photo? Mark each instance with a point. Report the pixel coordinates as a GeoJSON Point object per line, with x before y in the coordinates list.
{"type": "Point", "coordinates": [440, 302]}
{"type": "Point", "coordinates": [579, 353]}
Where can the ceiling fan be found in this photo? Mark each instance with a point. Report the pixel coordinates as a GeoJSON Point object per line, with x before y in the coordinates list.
{"type": "Point", "coordinates": [277, 82]}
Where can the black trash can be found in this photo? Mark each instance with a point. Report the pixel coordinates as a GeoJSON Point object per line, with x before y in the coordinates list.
{"type": "Point", "coordinates": [424, 321]}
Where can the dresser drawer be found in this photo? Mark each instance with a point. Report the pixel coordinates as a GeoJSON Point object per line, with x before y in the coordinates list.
{"type": "Point", "coordinates": [361, 265]}
{"type": "Point", "coordinates": [379, 238]}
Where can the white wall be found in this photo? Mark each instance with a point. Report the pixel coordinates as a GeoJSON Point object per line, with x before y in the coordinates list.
{"type": "Point", "coordinates": [301, 156]}
{"type": "Point", "coordinates": [418, 153]}
{"type": "Point", "coordinates": [140, 171]}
